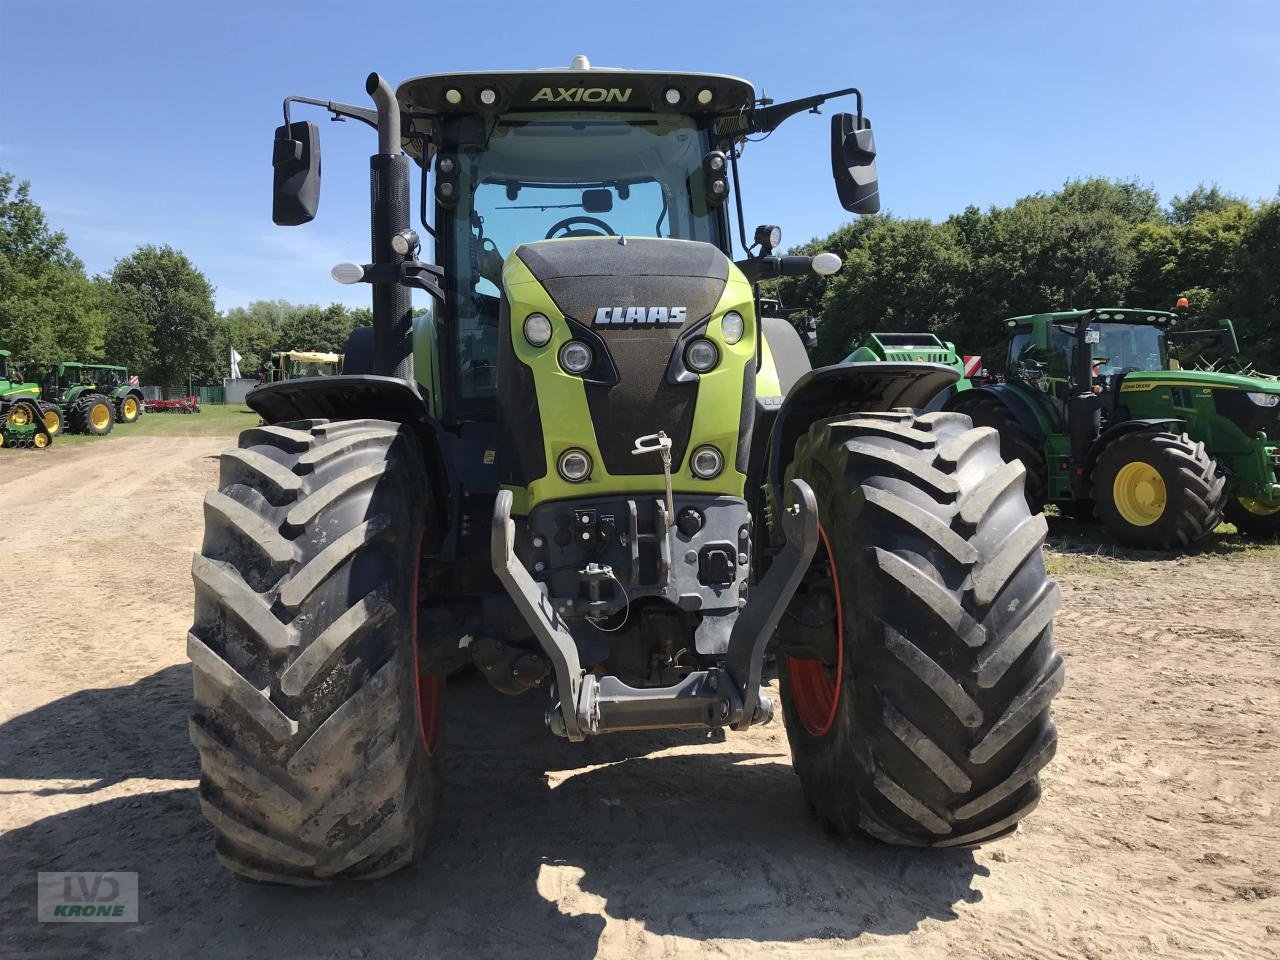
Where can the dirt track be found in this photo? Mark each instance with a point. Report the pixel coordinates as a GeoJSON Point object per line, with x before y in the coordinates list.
{"type": "Point", "coordinates": [1159, 834]}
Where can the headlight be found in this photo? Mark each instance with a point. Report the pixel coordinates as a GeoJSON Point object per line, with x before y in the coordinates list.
{"type": "Point", "coordinates": [574, 465]}
{"type": "Point", "coordinates": [701, 355]}
{"type": "Point", "coordinates": [1264, 399]}
{"type": "Point", "coordinates": [707, 462]}
{"type": "Point", "coordinates": [537, 330]}
{"type": "Point", "coordinates": [731, 327]}
{"type": "Point", "coordinates": [575, 357]}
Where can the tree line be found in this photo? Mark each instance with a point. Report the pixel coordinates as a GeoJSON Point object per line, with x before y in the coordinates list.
{"type": "Point", "coordinates": [152, 312]}
{"type": "Point", "coordinates": [1093, 243]}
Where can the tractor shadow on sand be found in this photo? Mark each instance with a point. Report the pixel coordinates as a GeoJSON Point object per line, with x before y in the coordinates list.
{"type": "Point", "coordinates": [544, 848]}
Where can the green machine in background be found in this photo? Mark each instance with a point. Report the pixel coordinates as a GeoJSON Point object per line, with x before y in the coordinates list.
{"type": "Point", "coordinates": [1107, 423]}
{"type": "Point", "coordinates": [124, 392]}
{"type": "Point", "coordinates": [914, 348]}
{"type": "Point", "coordinates": [21, 421]}
{"type": "Point", "coordinates": [83, 406]}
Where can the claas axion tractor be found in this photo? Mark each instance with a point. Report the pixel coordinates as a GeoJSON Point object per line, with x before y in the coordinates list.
{"type": "Point", "coordinates": [590, 470]}
{"type": "Point", "coordinates": [1108, 424]}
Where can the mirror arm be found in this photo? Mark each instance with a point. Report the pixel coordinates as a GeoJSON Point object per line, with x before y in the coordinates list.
{"type": "Point", "coordinates": [737, 197]}
{"type": "Point", "coordinates": [340, 111]}
{"type": "Point", "coordinates": [768, 119]}
{"type": "Point", "coordinates": [409, 273]}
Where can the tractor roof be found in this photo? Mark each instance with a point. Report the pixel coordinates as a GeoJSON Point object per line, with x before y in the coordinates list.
{"type": "Point", "coordinates": [1104, 314]}
{"type": "Point", "coordinates": [5, 353]}
{"type": "Point", "coordinates": [579, 87]}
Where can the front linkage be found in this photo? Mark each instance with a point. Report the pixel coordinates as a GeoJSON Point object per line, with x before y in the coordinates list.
{"type": "Point", "coordinates": [724, 695]}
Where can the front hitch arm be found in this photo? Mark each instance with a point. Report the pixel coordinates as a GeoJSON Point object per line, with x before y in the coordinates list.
{"type": "Point", "coordinates": [769, 598]}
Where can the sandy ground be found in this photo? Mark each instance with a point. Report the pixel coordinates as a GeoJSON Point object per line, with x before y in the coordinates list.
{"type": "Point", "coordinates": [1159, 834]}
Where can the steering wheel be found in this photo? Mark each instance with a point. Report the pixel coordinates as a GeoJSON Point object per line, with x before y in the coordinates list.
{"type": "Point", "coordinates": [602, 229]}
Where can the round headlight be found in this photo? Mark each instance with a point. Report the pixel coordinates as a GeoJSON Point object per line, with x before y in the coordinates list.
{"type": "Point", "coordinates": [575, 357]}
{"type": "Point", "coordinates": [731, 327]}
{"type": "Point", "coordinates": [574, 465]}
{"type": "Point", "coordinates": [707, 462]}
{"type": "Point", "coordinates": [701, 355]}
{"type": "Point", "coordinates": [453, 96]}
{"type": "Point", "coordinates": [672, 96]}
{"type": "Point", "coordinates": [488, 97]}
{"type": "Point", "coordinates": [537, 330]}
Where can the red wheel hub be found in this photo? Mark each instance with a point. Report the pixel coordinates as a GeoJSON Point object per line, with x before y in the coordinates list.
{"type": "Point", "coordinates": [814, 694]}
{"type": "Point", "coordinates": [429, 688]}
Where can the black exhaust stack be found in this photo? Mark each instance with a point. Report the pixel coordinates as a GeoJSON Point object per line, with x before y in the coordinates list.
{"type": "Point", "coordinates": [389, 206]}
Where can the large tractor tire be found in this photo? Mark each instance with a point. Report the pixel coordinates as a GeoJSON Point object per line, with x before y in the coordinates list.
{"type": "Point", "coordinates": [1158, 491]}
{"type": "Point", "coordinates": [1016, 442]}
{"type": "Point", "coordinates": [51, 414]}
{"type": "Point", "coordinates": [318, 737]}
{"type": "Point", "coordinates": [917, 707]}
{"type": "Point", "coordinates": [1253, 518]}
{"type": "Point", "coordinates": [128, 409]}
{"type": "Point", "coordinates": [92, 413]}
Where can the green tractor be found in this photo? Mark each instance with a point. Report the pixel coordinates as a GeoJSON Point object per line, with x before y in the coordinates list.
{"type": "Point", "coordinates": [1108, 424]}
{"type": "Point", "coordinates": [12, 388]}
{"type": "Point", "coordinates": [591, 471]}
{"type": "Point", "coordinates": [22, 422]}
{"type": "Point", "coordinates": [70, 387]}
{"type": "Point", "coordinates": [122, 390]}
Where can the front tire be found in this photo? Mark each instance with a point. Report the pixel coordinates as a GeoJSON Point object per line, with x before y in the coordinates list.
{"type": "Point", "coordinates": [922, 718]}
{"type": "Point", "coordinates": [1158, 491]}
{"type": "Point", "coordinates": [1259, 519]}
{"type": "Point", "coordinates": [51, 414]}
{"type": "Point", "coordinates": [318, 739]}
{"type": "Point", "coordinates": [128, 409]}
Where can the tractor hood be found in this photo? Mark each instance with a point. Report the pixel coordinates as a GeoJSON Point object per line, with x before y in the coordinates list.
{"type": "Point", "coordinates": [636, 304]}
{"type": "Point", "coordinates": [1150, 379]}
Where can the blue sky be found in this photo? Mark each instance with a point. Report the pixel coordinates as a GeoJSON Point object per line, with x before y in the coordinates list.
{"type": "Point", "coordinates": [150, 122]}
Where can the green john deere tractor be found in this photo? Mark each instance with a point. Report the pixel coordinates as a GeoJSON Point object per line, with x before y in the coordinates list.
{"type": "Point", "coordinates": [115, 383]}
{"type": "Point", "coordinates": [590, 470]}
{"type": "Point", "coordinates": [1107, 423]}
{"type": "Point", "coordinates": [84, 408]}
{"type": "Point", "coordinates": [22, 422]}
{"type": "Point", "coordinates": [918, 347]}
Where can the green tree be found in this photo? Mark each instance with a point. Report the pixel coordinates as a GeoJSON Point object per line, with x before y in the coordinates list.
{"type": "Point", "coordinates": [49, 310]}
{"type": "Point", "coordinates": [1210, 199]}
{"type": "Point", "coordinates": [1255, 297]}
{"type": "Point", "coordinates": [158, 289]}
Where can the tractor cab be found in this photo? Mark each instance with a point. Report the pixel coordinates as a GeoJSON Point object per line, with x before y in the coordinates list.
{"type": "Point", "coordinates": [294, 364]}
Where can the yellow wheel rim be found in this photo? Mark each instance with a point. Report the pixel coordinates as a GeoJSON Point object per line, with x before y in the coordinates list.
{"type": "Point", "coordinates": [100, 416]}
{"type": "Point", "coordinates": [1260, 508]}
{"type": "Point", "coordinates": [1139, 493]}
{"type": "Point", "coordinates": [130, 408]}
{"type": "Point", "coordinates": [40, 440]}
{"type": "Point", "coordinates": [20, 417]}
{"type": "Point", "coordinates": [52, 422]}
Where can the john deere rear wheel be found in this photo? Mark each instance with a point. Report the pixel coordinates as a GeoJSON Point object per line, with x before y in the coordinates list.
{"type": "Point", "coordinates": [1254, 518]}
{"type": "Point", "coordinates": [51, 414]}
{"type": "Point", "coordinates": [1016, 442]}
{"type": "Point", "coordinates": [1158, 491]}
{"type": "Point", "coordinates": [917, 662]}
{"type": "Point", "coordinates": [92, 413]}
{"type": "Point", "coordinates": [128, 409]}
{"type": "Point", "coordinates": [318, 738]}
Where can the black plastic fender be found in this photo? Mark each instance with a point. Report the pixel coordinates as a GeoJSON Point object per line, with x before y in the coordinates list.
{"type": "Point", "coordinates": [1014, 401]}
{"type": "Point", "coordinates": [845, 388]}
{"type": "Point", "coordinates": [347, 397]}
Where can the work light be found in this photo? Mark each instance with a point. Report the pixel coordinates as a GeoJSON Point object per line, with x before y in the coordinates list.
{"type": "Point", "coordinates": [575, 357]}
{"type": "Point", "coordinates": [701, 355]}
{"type": "Point", "coordinates": [537, 330]}
{"type": "Point", "coordinates": [731, 327]}
{"type": "Point", "coordinates": [574, 465]}
{"type": "Point", "coordinates": [707, 462]}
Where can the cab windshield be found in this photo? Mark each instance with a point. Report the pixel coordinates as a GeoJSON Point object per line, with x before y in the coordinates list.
{"type": "Point", "coordinates": [564, 174]}
{"type": "Point", "coordinates": [1128, 346]}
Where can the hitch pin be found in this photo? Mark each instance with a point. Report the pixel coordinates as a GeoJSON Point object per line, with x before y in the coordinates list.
{"type": "Point", "coordinates": [660, 443]}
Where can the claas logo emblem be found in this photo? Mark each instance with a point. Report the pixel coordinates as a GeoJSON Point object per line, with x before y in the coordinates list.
{"type": "Point", "coordinates": [641, 316]}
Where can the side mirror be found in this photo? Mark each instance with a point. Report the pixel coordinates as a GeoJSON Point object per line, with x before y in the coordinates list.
{"type": "Point", "coordinates": [597, 201]}
{"type": "Point", "coordinates": [1230, 342]}
{"type": "Point", "coordinates": [295, 157]}
{"type": "Point", "coordinates": [853, 164]}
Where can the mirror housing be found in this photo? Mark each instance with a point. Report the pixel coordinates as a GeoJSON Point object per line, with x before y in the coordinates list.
{"type": "Point", "coordinates": [295, 157]}
{"type": "Point", "coordinates": [853, 163]}
{"type": "Point", "coordinates": [597, 201]}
